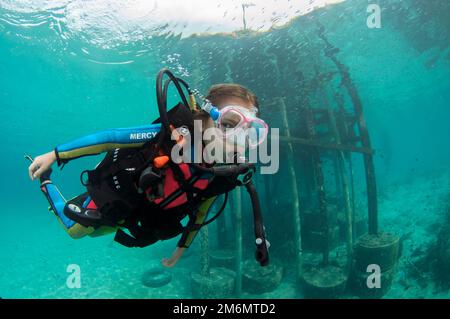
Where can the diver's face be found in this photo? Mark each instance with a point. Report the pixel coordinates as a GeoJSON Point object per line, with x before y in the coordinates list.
{"type": "Point", "coordinates": [229, 149]}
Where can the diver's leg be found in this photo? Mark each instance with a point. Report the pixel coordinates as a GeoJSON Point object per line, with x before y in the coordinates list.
{"type": "Point", "coordinates": [57, 203]}
{"type": "Point", "coordinates": [101, 230]}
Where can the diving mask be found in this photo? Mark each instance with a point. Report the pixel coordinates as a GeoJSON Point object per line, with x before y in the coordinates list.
{"type": "Point", "coordinates": [238, 123]}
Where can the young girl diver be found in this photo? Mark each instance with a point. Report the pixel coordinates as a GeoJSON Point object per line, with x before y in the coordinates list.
{"type": "Point", "coordinates": [138, 187]}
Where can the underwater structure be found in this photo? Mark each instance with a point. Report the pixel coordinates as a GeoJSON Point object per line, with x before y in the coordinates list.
{"type": "Point", "coordinates": [334, 244]}
{"type": "Point", "coordinates": [342, 181]}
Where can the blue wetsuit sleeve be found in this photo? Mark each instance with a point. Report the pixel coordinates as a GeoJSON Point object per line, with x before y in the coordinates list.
{"type": "Point", "coordinates": [106, 140]}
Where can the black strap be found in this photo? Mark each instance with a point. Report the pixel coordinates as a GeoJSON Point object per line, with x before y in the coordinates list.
{"type": "Point", "coordinates": [219, 212]}
{"type": "Point", "coordinates": [193, 226]}
{"type": "Point", "coordinates": [186, 186]}
{"type": "Point", "coordinates": [86, 171]}
{"type": "Point", "coordinates": [143, 240]}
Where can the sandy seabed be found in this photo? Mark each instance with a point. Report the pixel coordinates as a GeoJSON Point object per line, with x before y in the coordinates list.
{"type": "Point", "coordinates": [35, 255]}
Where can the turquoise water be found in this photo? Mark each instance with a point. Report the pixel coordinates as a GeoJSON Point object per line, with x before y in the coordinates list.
{"type": "Point", "coordinates": [64, 74]}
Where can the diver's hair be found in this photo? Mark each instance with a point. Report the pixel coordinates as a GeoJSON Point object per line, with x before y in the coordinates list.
{"type": "Point", "coordinates": [219, 91]}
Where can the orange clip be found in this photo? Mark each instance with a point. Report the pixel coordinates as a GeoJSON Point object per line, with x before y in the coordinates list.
{"type": "Point", "coordinates": [160, 161]}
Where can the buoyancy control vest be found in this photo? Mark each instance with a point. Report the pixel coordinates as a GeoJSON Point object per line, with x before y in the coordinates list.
{"type": "Point", "coordinates": [131, 192]}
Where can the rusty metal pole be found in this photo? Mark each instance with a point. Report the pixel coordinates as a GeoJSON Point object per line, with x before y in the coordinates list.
{"type": "Point", "coordinates": [337, 174]}
{"type": "Point", "coordinates": [237, 205]}
{"type": "Point", "coordinates": [222, 234]}
{"type": "Point", "coordinates": [341, 171]}
{"type": "Point", "coordinates": [294, 188]}
{"type": "Point", "coordinates": [330, 52]}
{"type": "Point", "coordinates": [345, 188]}
{"type": "Point", "coordinates": [320, 188]}
{"type": "Point", "coordinates": [204, 257]}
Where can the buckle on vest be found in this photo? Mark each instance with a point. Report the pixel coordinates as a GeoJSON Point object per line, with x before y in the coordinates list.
{"type": "Point", "coordinates": [149, 178]}
{"type": "Point", "coordinates": [245, 178]}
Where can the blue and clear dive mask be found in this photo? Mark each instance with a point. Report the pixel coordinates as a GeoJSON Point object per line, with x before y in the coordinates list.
{"type": "Point", "coordinates": [238, 123]}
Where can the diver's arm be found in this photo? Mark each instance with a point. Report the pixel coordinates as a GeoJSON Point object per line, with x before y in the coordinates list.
{"type": "Point", "coordinates": [105, 140]}
{"type": "Point", "coordinates": [41, 164]}
{"type": "Point", "coordinates": [194, 224]}
{"type": "Point", "coordinates": [186, 239]}
{"type": "Point", "coordinates": [176, 255]}
{"type": "Point", "coordinates": [188, 236]}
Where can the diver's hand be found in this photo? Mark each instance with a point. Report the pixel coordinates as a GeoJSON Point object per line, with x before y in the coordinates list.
{"type": "Point", "coordinates": [41, 164]}
{"type": "Point", "coordinates": [170, 262]}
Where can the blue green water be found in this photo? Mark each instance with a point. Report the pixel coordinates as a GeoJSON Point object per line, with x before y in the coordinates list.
{"type": "Point", "coordinates": [61, 79]}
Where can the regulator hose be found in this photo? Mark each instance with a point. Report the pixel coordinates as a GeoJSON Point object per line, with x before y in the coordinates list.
{"type": "Point", "coordinates": [161, 95]}
{"type": "Point", "coordinates": [262, 253]}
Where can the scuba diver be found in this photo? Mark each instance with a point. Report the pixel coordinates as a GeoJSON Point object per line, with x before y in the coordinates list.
{"type": "Point", "coordinates": [140, 192]}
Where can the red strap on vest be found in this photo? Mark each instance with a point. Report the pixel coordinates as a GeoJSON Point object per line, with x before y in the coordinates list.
{"type": "Point", "coordinates": [171, 185]}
